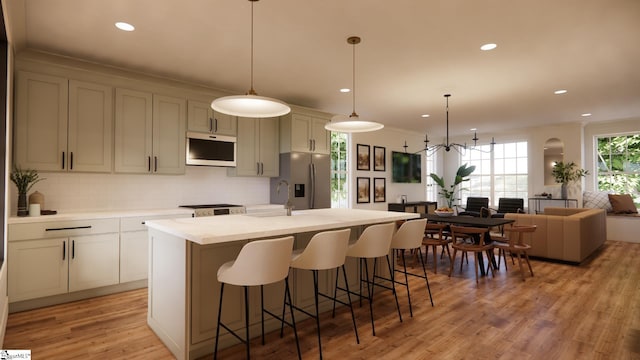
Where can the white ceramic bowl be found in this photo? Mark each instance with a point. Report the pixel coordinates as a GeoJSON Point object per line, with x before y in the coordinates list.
{"type": "Point", "coordinates": [444, 213]}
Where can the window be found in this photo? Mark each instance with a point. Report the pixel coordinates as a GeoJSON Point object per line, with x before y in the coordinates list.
{"type": "Point", "coordinates": [618, 160]}
{"type": "Point", "coordinates": [500, 173]}
{"type": "Point", "coordinates": [430, 166]}
{"type": "Point", "coordinates": [339, 170]}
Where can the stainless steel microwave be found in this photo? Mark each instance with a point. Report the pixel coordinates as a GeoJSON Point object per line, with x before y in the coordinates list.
{"type": "Point", "coordinates": [211, 149]}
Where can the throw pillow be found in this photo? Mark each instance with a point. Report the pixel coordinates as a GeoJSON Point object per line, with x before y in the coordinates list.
{"type": "Point", "coordinates": [622, 204]}
{"type": "Point", "coordinates": [596, 200]}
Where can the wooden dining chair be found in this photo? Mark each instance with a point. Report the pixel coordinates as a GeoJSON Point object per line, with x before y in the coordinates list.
{"type": "Point", "coordinates": [515, 246]}
{"type": "Point", "coordinates": [476, 240]}
{"type": "Point", "coordinates": [434, 236]}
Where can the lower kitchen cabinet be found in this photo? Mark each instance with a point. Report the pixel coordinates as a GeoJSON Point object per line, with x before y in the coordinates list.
{"type": "Point", "coordinates": [94, 261]}
{"type": "Point", "coordinates": [37, 268]}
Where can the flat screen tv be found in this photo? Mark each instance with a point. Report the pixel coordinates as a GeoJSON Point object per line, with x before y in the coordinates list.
{"type": "Point", "coordinates": [406, 167]}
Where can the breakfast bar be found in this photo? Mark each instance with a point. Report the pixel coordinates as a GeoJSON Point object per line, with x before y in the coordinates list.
{"type": "Point", "coordinates": [185, 254]}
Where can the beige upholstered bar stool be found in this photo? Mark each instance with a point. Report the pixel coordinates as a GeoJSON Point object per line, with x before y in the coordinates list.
{"type": "Point", "coordinates": [373, 243]}
{"type": "Point", "coordinates": [409, 237]}
{"type": "Point", "coordinates": [260, 263]}
{"type": "Point", "coordinates": [325, 251]}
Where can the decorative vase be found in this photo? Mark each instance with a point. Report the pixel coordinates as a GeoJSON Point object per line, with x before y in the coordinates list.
{"type": "Point", "coordinates": [563, 191]}
{"type": "Point", "coordinates": [22, 204]}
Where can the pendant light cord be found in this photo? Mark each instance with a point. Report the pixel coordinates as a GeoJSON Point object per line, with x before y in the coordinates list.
{"type": "Point", "coordinates": [354, 79]}
{"type": "Point", "coordinates": [252, 91]}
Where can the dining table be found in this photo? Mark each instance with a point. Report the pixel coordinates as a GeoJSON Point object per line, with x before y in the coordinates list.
{"type": "Point", "coordinates": [465, 220]}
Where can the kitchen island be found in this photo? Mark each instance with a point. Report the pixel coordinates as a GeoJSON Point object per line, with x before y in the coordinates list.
{"type": "Point", "coordinates": [185, 254]}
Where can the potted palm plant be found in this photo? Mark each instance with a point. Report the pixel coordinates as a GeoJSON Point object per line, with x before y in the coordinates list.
{"type": "Point", "coordinates": [565, 173]}
{"type": "Point", "coordinates": [24, 180]}
{"type": "Point", "coordinates": [449, 193]}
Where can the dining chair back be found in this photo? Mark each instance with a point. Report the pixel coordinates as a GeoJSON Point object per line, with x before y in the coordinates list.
{"type": "Point", "coordinates": [473, 239]}
{"type": "Point", "coordinates": [434, 236]}
{"type": "Point", "coordinates": [515, 245]}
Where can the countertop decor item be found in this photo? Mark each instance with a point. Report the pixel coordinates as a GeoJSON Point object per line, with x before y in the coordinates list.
{"type": "Point", "coordinates": [449, 193]}
{"type": "Point", "coordinates": [24, 180]}
{"type": "Point", "coordinates": [566, 173]}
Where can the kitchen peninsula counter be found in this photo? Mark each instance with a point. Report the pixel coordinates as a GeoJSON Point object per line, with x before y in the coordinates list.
{"type": "Point", "coordinates": [185, 255]}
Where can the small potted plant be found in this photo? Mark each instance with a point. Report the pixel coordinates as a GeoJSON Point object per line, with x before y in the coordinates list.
{"type": "Point", "coordinates": [565, 173]}
{"type": "Point", "coordinates": [24, 180]}
{"type": "Point", "coordinates": [449, 193]}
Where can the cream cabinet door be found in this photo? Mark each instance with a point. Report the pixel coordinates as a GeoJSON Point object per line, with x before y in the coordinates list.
{"type": "Point", "coordinates": [41, 121]}
{"type": "Point", "coordinates": [37, 268]}
{"type": "Point", "coordinates": [248, 160]}
{"type": "Point", "coordinates": [133, 131]}
{"type": "Point", "coordinates": [94, 261]}
{"type": "Point", "coordinates": [201, 118]}
{"type": "Point", "coordinates": [300, 133]}
{"type": "Point", "coordinates": [90, 129]}
{"type": "Point", "coordinates": [134, 255]}
{"type": "Point", "coordinates": [169, 135]}
{"type": "Point", "coordinates": [269, 146]}
{"type": "Point", "coordinates": [320, 136]}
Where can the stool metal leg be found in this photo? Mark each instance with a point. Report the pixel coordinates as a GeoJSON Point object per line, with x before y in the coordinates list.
{"type": "Point", "coordinates": [215, 350]}
{"type": "Point", "coordinates": [315, 296]}
{"type": "Point", "coordinates": [353, 316]}
{"type": "Point", "coordinates": [424, 269]}
{"type": "Point", "coordinates": [406, 281]}
{"type": "Point", "coordinates": [246, 320]}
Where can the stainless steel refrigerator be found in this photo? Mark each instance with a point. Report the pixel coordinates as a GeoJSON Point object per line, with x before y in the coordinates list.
{"type": "Point", "coordinates": [309, 176]}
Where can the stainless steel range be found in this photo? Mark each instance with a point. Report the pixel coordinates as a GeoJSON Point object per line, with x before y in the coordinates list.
{"type": "Point", "coordinates": [215, 209]}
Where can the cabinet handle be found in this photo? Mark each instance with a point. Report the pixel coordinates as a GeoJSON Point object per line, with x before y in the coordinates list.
{"type": "Point", "coordinates": [148, 163]}
{"type": "Point", "coordinates": [64, 250]}
{"type": "Point", "coordinates": [71, 160]}
{"type": "Point", "coordinates": [210, 124]}
{"type": "Point", "coordinates": [73, 249]}
{"type": "Point", "coordinates": [215, 125]}
{"type": "Point", "coordinates": [261, 168]}
{"type": "Point", "coordinates": [63, 160]}
{"type": "Point", "coordinates": [258, 168]}
{"type": "Point", "coordinates": [155, 164]}
{"type": "Point", "coordinates": [310, 145]}
{"type": "Point", "coordinates": [314, 144]}
{"type": "Point", "coordinates": [68, 228]}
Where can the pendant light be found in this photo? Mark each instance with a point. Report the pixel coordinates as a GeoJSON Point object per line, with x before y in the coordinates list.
{"type": "Point", "coordinates": [352, 123]}
{"type": "Point", "coordinates": [250, 105]}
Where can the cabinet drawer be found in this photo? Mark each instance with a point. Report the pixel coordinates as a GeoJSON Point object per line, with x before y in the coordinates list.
{"type": "Point", "coordinates": [57, 229]}
{"type": "Point", "coordinates": [136, 223]}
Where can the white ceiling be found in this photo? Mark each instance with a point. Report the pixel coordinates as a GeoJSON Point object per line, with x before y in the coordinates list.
{"type": "Point", "coordinates": [412, 52]}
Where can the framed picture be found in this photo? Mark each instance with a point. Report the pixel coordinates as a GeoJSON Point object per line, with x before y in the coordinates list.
{"type": "Point", "coordinates": [364, 156]}
{"type": "Point", "coordinates": [379, 190]}
{"type": "Point", "coordinates": [364, 185]}
{"type": "Point", "coordinates": [379, 158]}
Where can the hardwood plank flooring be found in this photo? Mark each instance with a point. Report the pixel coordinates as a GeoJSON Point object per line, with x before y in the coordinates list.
{"type": "Point", "coordinates": [591, 311]}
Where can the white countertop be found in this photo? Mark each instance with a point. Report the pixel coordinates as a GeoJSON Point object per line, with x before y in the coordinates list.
{"type": "Point", "coordinates": [220, 229]}
{"type": "Point", "coordinates": [97, 215]}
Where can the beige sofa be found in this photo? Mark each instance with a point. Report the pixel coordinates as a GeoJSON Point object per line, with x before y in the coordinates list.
{"type": "Point", "coordinates": [566, 234]}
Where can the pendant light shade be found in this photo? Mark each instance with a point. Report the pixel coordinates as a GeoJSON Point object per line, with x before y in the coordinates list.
{"type": "Point", "coordinates": [352, 123]}
{"type": "Point", "coordinates": [250, 104]}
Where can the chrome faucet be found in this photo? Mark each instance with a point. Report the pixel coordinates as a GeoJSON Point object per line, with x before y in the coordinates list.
{"type": "Point", "coordinates": [288, 205]}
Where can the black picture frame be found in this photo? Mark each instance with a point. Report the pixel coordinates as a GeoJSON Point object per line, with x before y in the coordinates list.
{"type": "Point", "coordinates": [379, 189]}
{"type": "Point", "coordinates": [379, 158]}
{"type": "Point", "coordinates": [363, 157]}
{"type": "Point", "coordinates": [363, 194]}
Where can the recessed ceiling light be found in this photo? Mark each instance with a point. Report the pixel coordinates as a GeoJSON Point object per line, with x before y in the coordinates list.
{"type": "Point", "coordinates": [345, 90]}
{"type": "Point", "coordinates": [487, 47]}
{"type": "Point", "coordinates": [473, 129]}
{"type": "Point", "coordinates": [125, 26]}
{"type": "Point", "coordinates": [425, 115]}
{"type": "Point", "coordinates": [558, 92]}
{"type": "Point", "coordinates": [586, 114]}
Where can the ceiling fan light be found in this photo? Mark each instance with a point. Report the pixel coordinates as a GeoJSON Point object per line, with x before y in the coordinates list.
{"type": "Point", "coordinates": [250, 106]}
{"type": "Point", "coordinates": [351, 124]}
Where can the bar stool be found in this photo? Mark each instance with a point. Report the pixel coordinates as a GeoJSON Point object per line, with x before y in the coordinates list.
{"type": "Point", "coordinates": [325, 251]}
{"type": "Point", "coordinates": [409, 237]}
{"type": "Point", "coordinates": [373, 243]}
{"type": "Point", "coordinates": [259, 262]}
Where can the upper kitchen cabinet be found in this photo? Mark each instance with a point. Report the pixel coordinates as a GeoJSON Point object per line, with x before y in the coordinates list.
{"type": "Point", "coordinates": [150, 133]}
{"type": "Point", "coordinates": [201, 118]}
{"type": "Point", "coordinates": [303, 131]}
{"type": "Point", "coordinates": [258, 154]}
{"type": "Point", "coordinates": [62, 125]}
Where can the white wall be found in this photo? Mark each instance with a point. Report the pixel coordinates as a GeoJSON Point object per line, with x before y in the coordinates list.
{"type": "Point", "coordinates": [392, 140]}
{"type": "Point", "coordinates": [66, 192]}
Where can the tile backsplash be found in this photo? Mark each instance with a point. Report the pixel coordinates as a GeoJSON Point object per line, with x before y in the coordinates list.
{"type": "Point", "coordinates": [72, 192]}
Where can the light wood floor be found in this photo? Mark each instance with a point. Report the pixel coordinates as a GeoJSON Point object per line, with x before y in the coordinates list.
{"type": "Point", "coordinates": [590, 311]}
